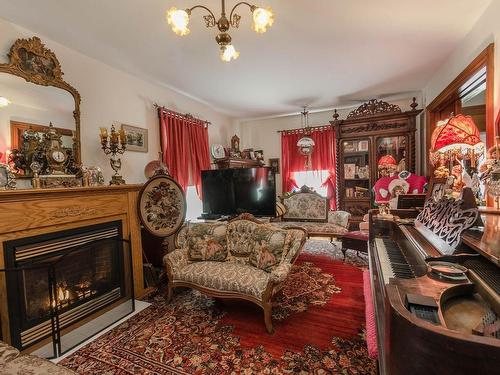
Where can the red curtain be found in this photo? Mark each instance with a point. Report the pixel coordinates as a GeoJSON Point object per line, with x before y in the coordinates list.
{"type": "Point", "coordinates": [184, 143]}
{"type": "Point", "coordinates": [322, 158]}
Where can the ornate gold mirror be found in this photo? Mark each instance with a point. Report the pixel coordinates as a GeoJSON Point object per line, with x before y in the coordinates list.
{"type": "Point", "coordinates": [34, 95]}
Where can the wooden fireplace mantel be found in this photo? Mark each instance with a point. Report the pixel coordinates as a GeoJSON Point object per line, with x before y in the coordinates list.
{"type": "Point", "coordinates": [30, 212]}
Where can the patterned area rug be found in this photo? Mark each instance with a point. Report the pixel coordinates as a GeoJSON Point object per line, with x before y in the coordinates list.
{"type": "Point", "coordinates": [333, 250]}
{"type": "Point", "coordinates": [317, 325]}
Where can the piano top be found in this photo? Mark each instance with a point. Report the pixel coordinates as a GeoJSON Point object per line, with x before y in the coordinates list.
{"type": "Point", "coordinates": [486, 243]}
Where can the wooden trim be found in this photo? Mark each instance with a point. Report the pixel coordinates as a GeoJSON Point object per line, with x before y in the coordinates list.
{"type": "Point", "coordinates": [484, 59]}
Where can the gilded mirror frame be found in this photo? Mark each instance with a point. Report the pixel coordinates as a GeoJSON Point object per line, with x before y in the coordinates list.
{"type": "Point", "coordinates": [42, 68]}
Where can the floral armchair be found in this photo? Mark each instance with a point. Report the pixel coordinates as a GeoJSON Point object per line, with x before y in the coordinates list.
{"type": "Point", "coordinates": [243, 259]}
{"type": "Point", "coordinates": [309, 210]}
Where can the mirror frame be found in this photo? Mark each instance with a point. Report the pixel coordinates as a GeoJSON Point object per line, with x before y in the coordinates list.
{"type": "Point", "coordinates": [50, 75]}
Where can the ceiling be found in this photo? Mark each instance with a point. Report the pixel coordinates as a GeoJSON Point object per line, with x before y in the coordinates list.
{"type": "Point", "coordinates": [320, 53]}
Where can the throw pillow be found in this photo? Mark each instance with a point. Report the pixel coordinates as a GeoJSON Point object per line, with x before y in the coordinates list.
{"type": "Point", "coordinates": [207, 242]}
{"type": "Point", "coordinates": [271, 245]}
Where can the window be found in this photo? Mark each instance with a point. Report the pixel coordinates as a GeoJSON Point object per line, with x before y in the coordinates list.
{"type": "Point", "coordinates": [313, 179]}
{"type": "Point", "coordinates": [194, 204]}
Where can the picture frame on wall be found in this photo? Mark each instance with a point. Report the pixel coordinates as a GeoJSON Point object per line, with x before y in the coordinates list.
{"type": "Point", "coordinates": [275, 165]}
{"type": "Point", "coordinates": [137, 138]}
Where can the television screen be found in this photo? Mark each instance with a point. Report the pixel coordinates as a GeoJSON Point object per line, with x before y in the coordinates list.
{"type": "Point", "coordinates": [235, 191]}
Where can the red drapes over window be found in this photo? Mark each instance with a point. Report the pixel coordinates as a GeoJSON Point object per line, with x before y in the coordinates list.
{"type": "Point", "coordinates": [323, 158]}
{"type": "Point", "coordinates": [184, 142]}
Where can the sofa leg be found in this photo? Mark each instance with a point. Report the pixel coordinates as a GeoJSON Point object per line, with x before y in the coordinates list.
{"type": "Point", "coordinates": [344, 251]}
{"type": "Point", "coordinates": [268, 317]}
{"type": "Point", "coordinates": [170, 292]}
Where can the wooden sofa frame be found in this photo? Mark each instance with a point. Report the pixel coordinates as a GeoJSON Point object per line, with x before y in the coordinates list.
{"type": "Point", "coordinates": [270, 291]}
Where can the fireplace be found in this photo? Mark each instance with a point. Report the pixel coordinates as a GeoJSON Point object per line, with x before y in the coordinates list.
{"type": "Point", "coordinates": [77, 272]}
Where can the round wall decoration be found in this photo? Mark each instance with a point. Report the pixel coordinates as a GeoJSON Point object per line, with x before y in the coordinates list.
{"type": "Point", "coordinates": [161, 206]}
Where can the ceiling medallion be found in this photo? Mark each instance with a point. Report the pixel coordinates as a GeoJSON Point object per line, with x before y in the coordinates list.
{"type": "Point", "coordinates": [263, 18]}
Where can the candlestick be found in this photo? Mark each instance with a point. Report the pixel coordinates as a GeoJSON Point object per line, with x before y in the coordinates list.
{"type": "Point", "coordinates": [114, 144]}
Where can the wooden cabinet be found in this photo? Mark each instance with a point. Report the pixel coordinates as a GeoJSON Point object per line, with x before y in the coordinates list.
{"type": "Point", "coordinates": [237, 163]}
{"type": "Point", "coordinates": [375, 130]}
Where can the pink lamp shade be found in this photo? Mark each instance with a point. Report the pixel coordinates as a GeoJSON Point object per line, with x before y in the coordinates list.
{"type": "Point", "coordinates": [457, 132]}
{"type": "Point", "coordinates": [386, 161]}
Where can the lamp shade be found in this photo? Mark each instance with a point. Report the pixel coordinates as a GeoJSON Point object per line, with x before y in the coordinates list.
{"type": "Point", "coordinates": [387, 160]}
{"type": "Point", "coordinates": [457, 132]}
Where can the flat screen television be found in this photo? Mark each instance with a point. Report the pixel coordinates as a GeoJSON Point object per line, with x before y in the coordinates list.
{"type": "Point", "coordinates": [239, 190]}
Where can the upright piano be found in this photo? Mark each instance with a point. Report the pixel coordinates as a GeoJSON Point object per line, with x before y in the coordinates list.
{"type": "Point", "coordinates": [433, 318]}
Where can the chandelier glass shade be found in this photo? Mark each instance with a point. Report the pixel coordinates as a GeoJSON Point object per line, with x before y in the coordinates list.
{"type": "Point", "coordinates": [263, 18]}
{"type": "Point", "coordinates": [305, 144]}
{"type": "Point", "coordinates": [4, 102]}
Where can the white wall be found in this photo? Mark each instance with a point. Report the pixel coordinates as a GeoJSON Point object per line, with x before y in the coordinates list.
{"type": "Point", "coordinates": [262, 134]}
{"type": "Point", "coordinates": [485, 31]}
{"type": "Point", "coordinates": [109, 95]}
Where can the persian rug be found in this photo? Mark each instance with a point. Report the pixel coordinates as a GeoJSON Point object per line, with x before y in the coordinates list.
{"type": "Point", "coordinates": [318, 320]}
{"type": "Point", "coordinates": [333, 250]}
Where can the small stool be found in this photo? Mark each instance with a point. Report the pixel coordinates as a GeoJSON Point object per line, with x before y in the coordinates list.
{"type": "Point", "coordinates": [356, 240]}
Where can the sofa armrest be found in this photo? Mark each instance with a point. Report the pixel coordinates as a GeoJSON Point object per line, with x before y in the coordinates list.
{"type": "Point", "coordinates": [176, 260]}
{"type": "Point", "coordinates": [339, 217]}
{"type": "Point", "coordinates": [280, 273]}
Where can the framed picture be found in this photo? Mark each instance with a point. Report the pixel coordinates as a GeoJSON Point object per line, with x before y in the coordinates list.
{"type": "Point", "coordinates": [349, 171]}
{"type": "Point", "coordinates": [137, 138]}
{"type": "Point", "coordinates": [259, 155]}
{"type": "Point", "coordinates": [363, 146]}
{"type": "Point", "coordinates": [235, 143]}
{"type": "Point", "coordinates": [438, 188]}
{"type": "Point", "coordinates": [275, 165]}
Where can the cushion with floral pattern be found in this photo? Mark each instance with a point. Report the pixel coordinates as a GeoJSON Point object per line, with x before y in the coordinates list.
{"type": "Point", "coordinates": [207, 242]}
{"type": "Point", "coordinates": [270, 246]}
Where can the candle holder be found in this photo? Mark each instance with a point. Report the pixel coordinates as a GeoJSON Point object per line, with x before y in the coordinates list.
{"type": "Point", "coordinates": [114, 144]}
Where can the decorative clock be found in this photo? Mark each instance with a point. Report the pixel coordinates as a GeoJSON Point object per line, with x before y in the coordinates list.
{"type": "Point", "coordinates": [218, 151]}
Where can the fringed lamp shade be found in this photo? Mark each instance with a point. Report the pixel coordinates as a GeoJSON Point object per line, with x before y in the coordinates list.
{"type": "Point", "coordinates": [456, 136]}
{"type": "Point", "coordinates": [387, 165]}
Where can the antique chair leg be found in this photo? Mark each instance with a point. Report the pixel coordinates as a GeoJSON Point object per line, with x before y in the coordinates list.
{"type": "Point", "coordinates": [169, 292]}
{"type": "Point", "coordinates": [268, 317]}
{"type": "Point", "coordinates": [344, 251]}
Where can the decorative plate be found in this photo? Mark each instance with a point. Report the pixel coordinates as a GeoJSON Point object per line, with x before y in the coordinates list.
{"type": "Point", "coordinates": [161, 206]}
{"type": "Point", "coordinates": [151, 167]}
{"type": "Point", "coordinates": [218, 151]}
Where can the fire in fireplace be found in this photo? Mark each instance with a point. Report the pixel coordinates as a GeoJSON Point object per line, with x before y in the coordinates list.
{"type": "Point", "coordinates": [84, 267]}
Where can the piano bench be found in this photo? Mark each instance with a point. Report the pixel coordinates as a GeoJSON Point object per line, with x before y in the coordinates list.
{"type": "Point", "coordinates": [355, 240]}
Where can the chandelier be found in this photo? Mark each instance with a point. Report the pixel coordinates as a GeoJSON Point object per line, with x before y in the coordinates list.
{"type": "Point", "coordinates": [263, 18]}
{"type": "Point", "coordinates": [306, 144]}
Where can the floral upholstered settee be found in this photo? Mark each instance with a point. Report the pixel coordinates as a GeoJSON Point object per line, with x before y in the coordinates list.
{"type": "Point", "coordinates": [14, 363]}
{"type": "Point", "coordinates": [309, 210]}
{"type": "Point", "coordinates": [242, 259]}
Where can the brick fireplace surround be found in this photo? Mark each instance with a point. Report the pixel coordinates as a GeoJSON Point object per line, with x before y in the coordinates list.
{"type": "Point", "coordinates": [28, 213]}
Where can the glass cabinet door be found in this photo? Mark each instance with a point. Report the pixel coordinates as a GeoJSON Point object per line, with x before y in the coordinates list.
{"type": "Point", "coordinates": [356, 165]}
{"type": "Point", "coordinates": [391, 155]}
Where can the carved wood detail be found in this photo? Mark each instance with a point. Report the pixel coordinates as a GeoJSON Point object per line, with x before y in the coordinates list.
{"type": "Point", "coordinates": [373, 126]}
{"type": "Point", "coordinates": [31, 60]}
{"type": "Point", "coordinates": [373, 107]}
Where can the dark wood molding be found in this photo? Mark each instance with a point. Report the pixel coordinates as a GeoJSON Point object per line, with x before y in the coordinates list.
{"type": "Point", "coordinates": [450, 95]}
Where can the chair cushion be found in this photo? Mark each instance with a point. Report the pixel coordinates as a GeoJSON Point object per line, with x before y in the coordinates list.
{"type": "Point", "coordinates": [227, 276]}
{"type": "Point", "coordinates": [29, 364]}
{"type": "Point", "coordinates": [357, 235]}
{"type": "Point", "coordinates": [207, 241]}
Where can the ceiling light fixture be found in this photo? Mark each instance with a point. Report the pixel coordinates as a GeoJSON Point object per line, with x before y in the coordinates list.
{"type": "Point", "coordinates": [4, 102]}
{"type": "Point", "coordinates": [263, 18]}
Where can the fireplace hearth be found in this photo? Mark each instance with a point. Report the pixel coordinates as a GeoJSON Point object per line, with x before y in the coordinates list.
{"type": "Point", "coordinates": [70, 274]}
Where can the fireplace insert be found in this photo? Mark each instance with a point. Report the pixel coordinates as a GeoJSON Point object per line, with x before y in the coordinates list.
{"type": "Point", "coordinates": [56, 280]}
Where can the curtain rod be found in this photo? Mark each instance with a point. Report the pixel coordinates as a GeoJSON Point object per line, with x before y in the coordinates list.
{"type": "Point", "coordinates": [302, 130]}
{"type": "Point", "coordinates": [189, 116]}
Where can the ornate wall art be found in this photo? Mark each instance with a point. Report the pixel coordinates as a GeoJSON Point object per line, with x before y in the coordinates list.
{"type": "Point", "coordinates": [136, 138]}
{"type": "Point", "coordinates": [162, 206]}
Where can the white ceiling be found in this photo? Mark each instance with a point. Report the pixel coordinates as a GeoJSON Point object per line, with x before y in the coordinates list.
{"type": "Point", "coordinates": [322, 53]}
